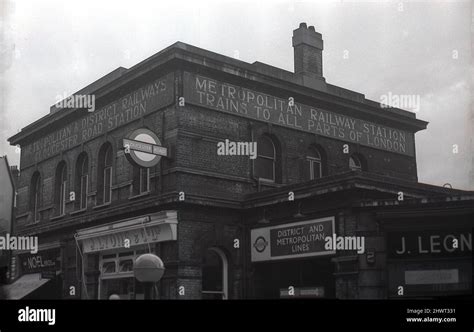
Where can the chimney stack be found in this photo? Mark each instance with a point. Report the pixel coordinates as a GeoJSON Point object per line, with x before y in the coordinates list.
{"type": "Point", "coordinates": [308, 52]}
{"type": "Point", "coordinates": [14, 170]}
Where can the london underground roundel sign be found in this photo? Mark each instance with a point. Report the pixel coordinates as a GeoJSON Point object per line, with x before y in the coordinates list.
{"type": "Point", "coordinates": [143, 148]}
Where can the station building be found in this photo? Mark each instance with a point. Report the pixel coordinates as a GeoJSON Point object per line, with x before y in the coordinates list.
{"type": "Point", "coordinates": [329, 162]}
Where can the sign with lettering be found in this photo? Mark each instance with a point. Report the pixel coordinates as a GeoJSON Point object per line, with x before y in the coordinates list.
{"type": "Point", "coordinates": [143, 148]}
{"type": "Point", "coordinates": [134, 237]}
{"type": "Point", "coordinates": [48, 274]}
{"type": "Point", "coordinates": [48, 260]}
{"type": "Point", "coordinates": [130, 107]}
{"type": "Point", "coordinates": [224, 97]}
{"type": "Point", "coordinates": [302, 292]}
{"type": "Point", "coordinates": [294, 240]}
{"type": "Point", "coordinates": [428, 277]}
{"type": "Point", "coordinates": [430, 244]}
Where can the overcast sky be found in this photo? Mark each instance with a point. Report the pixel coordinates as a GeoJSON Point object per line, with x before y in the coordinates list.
{"type": "Point", "coordinates": [57, 47]}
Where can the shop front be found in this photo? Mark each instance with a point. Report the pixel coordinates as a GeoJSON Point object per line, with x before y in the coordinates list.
{"type": "Point", "coordinates": [109, 252]}
{"type": "Point", "coordinates": [39, 275]}
{"type": "Point", "coordinates": [290, 260]}
{"type": "Point", "coordinates": [430, 263]}
{"type": "Point", "coordinates": [429, 250]}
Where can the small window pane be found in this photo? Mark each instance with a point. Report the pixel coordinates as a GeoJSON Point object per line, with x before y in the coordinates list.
{"type": "Point", "coordinates": [354, 163]}
{"type": "Point", "coordinates": [84, 166]}
{"type": "Point", "coordinates": [316, 170]}
{"type": "Point", "coordinates": [109, 256]}
{"type": "Point", "coordinates": [36, 198]}
{"type": "Point", "coordinates": [126, 265]}
{"type": "Point", "coordinates": [144, 179]}
{"type": "Point", "coordinates": [83, 196]}
{"type": "Point", "coordinates": [265, 168]}
{"type": "Point", "coordinates": [313, 153]}
{"type": "Point", "coordinates": [63, 174]}
{"type": "Point", "coordinates": [107, 184]}
{"type": "Point", "coordinates": [108, 267]}
{"type": "Point", "coordinates": [62, 198]}
{"type": "Point", "coordinates": [265, 147]}
{"type": "Point", "coordinates": [36, 207]}
{"type": "Point", "coordinates": [108, 157]}
{"type": "Point", "coordinates": [125, 254]}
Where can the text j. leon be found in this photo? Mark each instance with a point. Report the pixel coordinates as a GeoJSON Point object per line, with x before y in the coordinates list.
{"type": "Point", "coordinates": [437, 244]}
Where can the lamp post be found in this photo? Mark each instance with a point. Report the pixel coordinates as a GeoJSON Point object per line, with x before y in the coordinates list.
{"type": "Point", "coordinates": [148, 268]}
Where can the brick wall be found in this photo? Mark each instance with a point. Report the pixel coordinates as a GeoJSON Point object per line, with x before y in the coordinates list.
{"type": "Point", "coordinates": [200, 229]}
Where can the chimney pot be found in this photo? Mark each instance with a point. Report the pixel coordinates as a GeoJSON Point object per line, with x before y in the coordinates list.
{"type": "Point", "coordinates": [14, 170]}
{"type": "Point", "coordinates": [308, 51]}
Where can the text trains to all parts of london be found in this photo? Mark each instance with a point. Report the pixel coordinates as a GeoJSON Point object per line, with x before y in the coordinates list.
{"type": "Point", "coordinates": [289, 113]}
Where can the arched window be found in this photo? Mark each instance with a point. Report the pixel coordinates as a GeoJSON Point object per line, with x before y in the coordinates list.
{"type": "Point", "coordinates": [266, 159]}
{"type": "Point", "coordinates": [35, 196]}
{"type": "Point", "coordinates": [357, 163]}
{"type": "Point", "coordinates": [82, 181]}
{"type": "Point", "coordinates": [314, 162]}
{"type": "Point", "coordinates": [104, 174]}
{"type": "Point", "coordinates": [60, 188]}
{"type": "Point", "coordinates": [215, 275]}
{"type": "Point", "coordinates": [141, 180]}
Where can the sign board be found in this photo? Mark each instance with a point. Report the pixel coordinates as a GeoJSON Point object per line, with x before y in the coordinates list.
{"type": "Point", "coordinates": [430, 243]}
{"type": "Point", "coordinates": [240, 101]}
{"type": "Point", "coordinates": [137, 236]}
{"type": "Point", "coordinates": [293, 240]}
{"type": "Point", "coordinates": [428, 277]}
{"type": "Point", "coordinates": [41, 261]}
{"type": "Point", "coordinates": [48, 274]}
{"type": "Point", "coordinates": [143, 148]}
{"type": "Point", "coordinates": [302, 292]}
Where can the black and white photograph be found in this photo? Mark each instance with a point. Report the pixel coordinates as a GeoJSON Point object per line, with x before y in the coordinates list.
{"type": "Point", "coordinates": [314, 153]}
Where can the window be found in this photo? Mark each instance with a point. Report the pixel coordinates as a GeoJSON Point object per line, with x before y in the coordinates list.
{"type": "Point", "coordinates": [82, 181]}
{"type": "Point", "coordinates": [118, 263]}
{"type": "Point", "coordinates": [315, 165]}
{"type": "Point", "coordinates": [104, 175]}
{"type": "Point", "coordinates": [141, 180]}
{"type": "Point", "coordinates": [266, 158]}
{"type": "Point", "coordinates": [60, 188]}
{"type": "Point", "coordinates": [108, 267]}
{"type": "Point", "coordinates": [215, 275]}
{"type": "Point", "coordinates": [117, 276]}
{"type": "Point", "coordinates": [355, 163]}
{"type": "Point", "coordinates": [126, 265]}
{"type": "Point", "coordinates": [35, 196]}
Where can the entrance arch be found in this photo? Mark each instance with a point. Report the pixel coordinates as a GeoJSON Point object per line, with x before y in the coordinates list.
{"type": "Point", "coordinates": [215, 274]}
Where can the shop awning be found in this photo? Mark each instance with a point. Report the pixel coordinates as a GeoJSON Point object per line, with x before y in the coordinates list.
{"type": "Point", "coordinates": [26, 284]}
{"type": "Point", "coordinates": [151, 228]}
